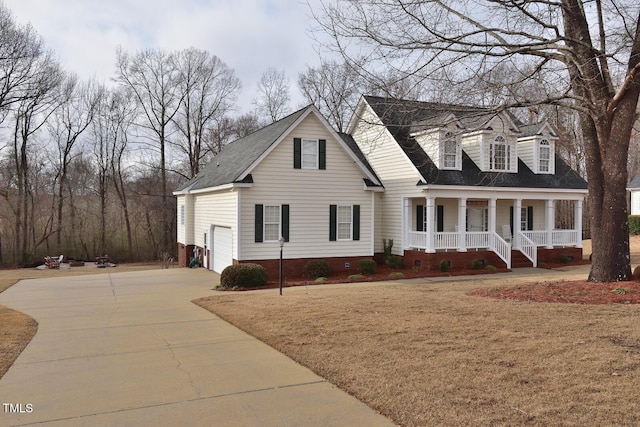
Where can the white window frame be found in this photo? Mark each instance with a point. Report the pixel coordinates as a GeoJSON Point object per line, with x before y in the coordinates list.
{"type": "Point", "coordinates": [499, 141]}
{"type": "Point", "coordinates": [544, 146]}
{"type": "Point", "coordinates": [182, 209]}
{"type": "Point", "coordinates": [346, 225]}
{"type": "Point", "coordinates": [265, 222]}
{"type": "Point", "coordinates": [449, 139]}
{"type": "Point", "coordinates": [306, 150]}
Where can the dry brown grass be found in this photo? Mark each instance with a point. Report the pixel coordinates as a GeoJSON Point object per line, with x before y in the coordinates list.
{"type": "Point", "coordinates": [17, 329]}
{"type": "Point", "coordinates": [429, 354]}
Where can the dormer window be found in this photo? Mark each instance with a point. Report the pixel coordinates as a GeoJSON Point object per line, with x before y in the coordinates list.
{"type": "Point", "coordinates": [500, 154]}
{"type": "Point", "coordinates": [450, 151]}
{"type": "Point", "coordinates": [544, 156]}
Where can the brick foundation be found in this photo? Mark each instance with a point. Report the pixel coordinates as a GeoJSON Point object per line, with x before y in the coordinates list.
{"type": "Point", "coordinates": [552, 256]}
{"type": "Point", "coordinates": [424, 261]}
{"type": "Point", "coordinates": [185, 253]}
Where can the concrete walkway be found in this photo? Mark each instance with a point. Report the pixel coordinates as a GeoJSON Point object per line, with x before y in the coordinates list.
{"type": "Point", "coordinates": [131, 349]}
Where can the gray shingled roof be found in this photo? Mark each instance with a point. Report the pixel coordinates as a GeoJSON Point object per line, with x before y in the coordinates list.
{"type": "Point", "coordinates": [398, 116]}
{"type": "Point", "coordinates": [635, 181]}
{"type": "Point", "coordinates": [227, 166]}
{"type": "Point", "coordinates": [235, 158]}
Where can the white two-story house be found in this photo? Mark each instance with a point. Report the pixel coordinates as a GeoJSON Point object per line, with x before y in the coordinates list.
{"type": "Point", "coordinates": [441, 181]}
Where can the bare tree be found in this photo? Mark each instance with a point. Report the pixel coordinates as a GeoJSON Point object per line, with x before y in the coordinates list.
{"type": "Point", "coordinates": [155, 82]}
{"type": "Point", "coordinates": [20, 50]}
{"type": "Point", "coordinates": [273, 91]}
{"type": "Point", "coordinates": [78, 106]}
{"type": "Point", "coordinates": [209, 90]}
{"type": "Point", "coordinates": [335, 88]}
{"type": "Point", "coordinates": [29, 116]}
{"type": "Point", "coordinates": [588, 52]}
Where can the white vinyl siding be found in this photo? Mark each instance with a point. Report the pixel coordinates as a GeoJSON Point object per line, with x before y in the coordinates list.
{"type": "Point", "coordinates": [309, 193]}
{"type": "Point", "coordinates": [396, 172]}
{"type": "Point", "coordinates": [181, 232]}
{"type": "Point", "coordinates": [185, 233]}
{"type": "Point", "coordinates": [430, 143]}
{"type": "Point", "coordinates": [214, 209]}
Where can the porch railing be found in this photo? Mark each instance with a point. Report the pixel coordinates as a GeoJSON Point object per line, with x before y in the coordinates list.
{"type": "Point", "coordinates": [501, 247]}
{"type": "Point", "coordinates": [477, 240]}
{"type": "Point", "coordinates": [528, 247]}
{"type": "Point", "coordinates": [446, 240]}
{"type": "Point", "coordinates": [564, 237]}
{"type": "Point", "coordinates": [417, 239]}
{"type": "Point", "coordinates": [558, 237]}
{"type": "Point", "coordinates": [473, 240]}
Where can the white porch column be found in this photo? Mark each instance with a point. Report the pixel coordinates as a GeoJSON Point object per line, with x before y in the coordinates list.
{"type": "Point", "coordinates": [431, 224]}
{"type": "Point", "coordinates": [406, 222]}
{"type": "Point", "coordinates": [578, 222]}
{"type": "Point", "coordinates": [462, 224]}
{"type": "Point", "coordinates": [517, 216]}
{"type": "Point", "coordinates": [550, 221]}
{"type": "Point", "coordinates": [492, 215]}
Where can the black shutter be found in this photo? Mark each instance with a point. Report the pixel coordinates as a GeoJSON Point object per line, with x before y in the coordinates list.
{"type": "Point", "coordinates": [529, 217]}
{"type": "Point", "coordinates": [322, 154]}
{"type": "Point", "coordinates": [420, 218]}
{"type": "Point", "coordinates": [259, 223]}
{"type": "Point", "coordinates": [333, 223]}
{"type": "Point", "coordinates": [297, 153]}
{"type": "Point", "coordinates": [356, 222]}
{"type": "Point", "coordinates": [440, 218]}
{"type": "Point", "coordinates": [285, 222]}
{"type": "Point", "coordinates": [511, 219]}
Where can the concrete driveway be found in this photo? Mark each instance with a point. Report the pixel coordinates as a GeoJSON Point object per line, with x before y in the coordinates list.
{"type": "Point", "coordinates": [131, 349]}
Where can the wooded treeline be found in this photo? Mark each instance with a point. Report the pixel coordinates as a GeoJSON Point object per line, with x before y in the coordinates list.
{"type": "Point", "coordinates": [88, 169]}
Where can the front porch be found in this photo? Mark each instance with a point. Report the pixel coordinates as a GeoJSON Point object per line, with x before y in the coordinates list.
{"type": "Point", "coordinates": [440, 224]}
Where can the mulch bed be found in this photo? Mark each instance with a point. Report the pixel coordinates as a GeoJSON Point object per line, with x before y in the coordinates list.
{"type": "Point", "coordinates": [574, 292]}
{"type": "Point", "coordinates": [382, 274]}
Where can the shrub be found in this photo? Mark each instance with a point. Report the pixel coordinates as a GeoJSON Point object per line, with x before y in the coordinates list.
{"type": "Point", "coordinates": [243, 276]}
{"type": "Point", "coordinates": [396, 275]}
{"type": "Point", "coordinates": [367, 266]}
{"type": "Point", "coordinates": [563, 258]}
{"type": "Point", "coordinates": [634, 224]}
{"type": "Point", "coordinates": [316, 268]}
{"type": "Point", "coordinates": [395, 261]}
{"type": "Point", "coordinates": [475, 265]}
{"type": "Point", "coordinates": [490, 267]}
{"type": "Point", "coordinates": [444, 265]}
{"type": "Point", "coordinates": [388, 246]}
{"type": "Point", "coordinates": [355, 277]}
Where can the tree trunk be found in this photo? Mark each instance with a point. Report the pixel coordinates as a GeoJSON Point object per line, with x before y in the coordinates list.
{"type": "Point", "coordinates": [607, 190]}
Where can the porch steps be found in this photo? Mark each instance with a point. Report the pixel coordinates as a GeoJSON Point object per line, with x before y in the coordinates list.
{"type": "Point", "coordinates": [519, 260]}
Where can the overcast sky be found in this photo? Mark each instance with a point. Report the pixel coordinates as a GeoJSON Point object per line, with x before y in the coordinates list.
{"type": "Point", "coordinates": [248, 35]}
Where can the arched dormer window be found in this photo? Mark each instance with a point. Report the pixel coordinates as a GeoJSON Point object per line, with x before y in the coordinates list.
{"type": "Point", "coordinates": [499, 154]}
{"type": "Point", "coordinates": [450, 151]}
{"type": "Point", "coordinates": [544, 156]}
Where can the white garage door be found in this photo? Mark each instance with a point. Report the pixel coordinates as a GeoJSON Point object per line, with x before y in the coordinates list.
{"type": "Point", "coordinates": [222, 248]}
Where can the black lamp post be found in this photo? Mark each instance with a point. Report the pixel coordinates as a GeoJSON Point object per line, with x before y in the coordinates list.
{"type": "Point", "coordinates": [281, 241]}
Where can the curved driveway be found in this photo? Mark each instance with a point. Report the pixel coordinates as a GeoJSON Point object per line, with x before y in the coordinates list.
{"type": "Point", "coordinates": [131, 349]}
